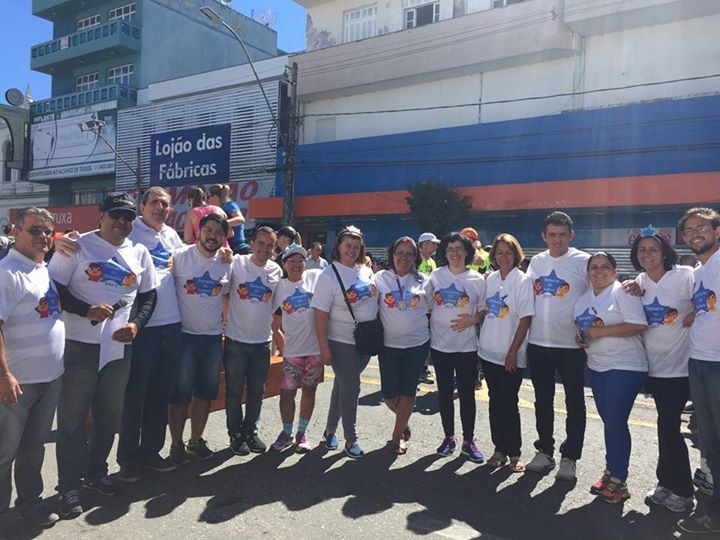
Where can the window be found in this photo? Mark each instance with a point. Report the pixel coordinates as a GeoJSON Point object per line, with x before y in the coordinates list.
{"type": "Point", "coordinates": [86, 82]}
{"type": "Point", "coordinates": [87, 197]}
{"type": "Point", "coordinates": [121, 75]}
{"type": "Point", "coordinates": [503, 3]}
{"type": "Point", "coordinates": [359, 23]}
{"type": "Point", "coordinates": [422, 15]}
{"type": "Point", "coordinates": [88, 22]}
{"type": "Point", "coordinates": [125, 12]}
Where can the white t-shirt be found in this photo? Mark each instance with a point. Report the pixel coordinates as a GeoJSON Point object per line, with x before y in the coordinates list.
{"type": "Point", "coordinates": [666, 303]}
{"type": "Point", "coordinates": [404, 305]}
{"type": "Point", "coordinates": [452, 295]}
{"type": "Point", "coordinates": [161, 245]}
{"type": "Point", "coordinates": [558, 282]}
{"type": "Point", "coordinates": [612, 306]}
{"type": "Point", "coordinates": [361, 291]}
{"type": "Point", "coordinates": [33, 328]}
{"type": "Point", "coordinates": [507, 301]}
{"type": "Point", "coordinates": [251, 300]}
{"type": "Point", "coordinates": [705, 331]}
{"type": "Point", "coordinates": [102, 273]}
{"type": "Point", "coordinates": [200, 284]}
{"type": "Point", "coordinates": [298, 320]}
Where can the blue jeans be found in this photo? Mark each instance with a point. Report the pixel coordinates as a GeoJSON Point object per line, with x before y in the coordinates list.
{"type": "Point", "coordinates": [614, 392]}
{"type": "Point", "coordinates": [705, 393]}
{"type": "Point", "coordinates": [80, 456]}
{"type": "Point", "coordinates": [155, 358]}
{"type": "Point", "coordinates": [400, 370]}
{"type": "Point", "coordinates": [25, 428]}
{"type": "Point", "coordinates": [245, 364]}
{"type": "Point", "coordinates": [198, 372]}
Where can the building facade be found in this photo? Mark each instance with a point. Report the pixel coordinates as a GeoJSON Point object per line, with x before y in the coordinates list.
{"type": "Point", "coordinates": [607, 109]}
{"type": "Point", "coordinates": [102, 55]}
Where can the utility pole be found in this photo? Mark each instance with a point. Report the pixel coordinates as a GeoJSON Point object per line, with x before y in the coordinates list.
{"type": "Point", "coordinates": [290, 148]}
{"type": "Point", "coordinates": [138, 175]}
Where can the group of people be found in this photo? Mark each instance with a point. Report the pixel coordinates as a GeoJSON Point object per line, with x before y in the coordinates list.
{"type": "Point", "coordinates": [132, 323]}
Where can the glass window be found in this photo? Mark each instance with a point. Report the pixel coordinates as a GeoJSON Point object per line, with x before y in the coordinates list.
{"type": "Point", "coordinates": [88, 22]}
{"type": "Point", "coordinates": [125, 12]}
{"type": "Point", "coordinates": [86, 82]}
{"type": "Point", "coordinates": [121, 75]}
{"type": "Point", "coordinates": [422, 15]}
{"type": "Point", "coordinates": [359, 23]}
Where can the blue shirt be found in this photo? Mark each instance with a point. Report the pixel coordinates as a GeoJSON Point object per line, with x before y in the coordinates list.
{"type": "Point", "coordinates": [238, 238]}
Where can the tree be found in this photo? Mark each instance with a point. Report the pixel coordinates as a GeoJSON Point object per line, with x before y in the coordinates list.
{"type": "Point", "coordinates": [437, 206]}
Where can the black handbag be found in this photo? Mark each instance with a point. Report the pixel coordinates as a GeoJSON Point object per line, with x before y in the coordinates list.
{"type": "Point", "coordinates": [369, 339]}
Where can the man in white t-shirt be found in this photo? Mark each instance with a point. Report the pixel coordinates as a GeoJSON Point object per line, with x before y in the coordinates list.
{"type": "Point", "coordinates": [248, 338]}
{"type": "Point", "coordinates": [700, 228]}
{"type": "Point", "coordinates": [32, 336]}
{"type": "Point", "coordinates": [201, 280]}
{"type": "Point", "coordinates": [98, 286]}
{"type": "Point", "coordinates": [559, 277]}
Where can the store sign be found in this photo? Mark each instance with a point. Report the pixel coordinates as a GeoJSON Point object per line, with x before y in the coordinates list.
{"type": "Point", "coordinates": [190, 156]}
{"type": "Point", "coordinates": [81, 218]}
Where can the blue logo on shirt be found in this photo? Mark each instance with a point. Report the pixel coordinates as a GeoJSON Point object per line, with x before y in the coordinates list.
{"type": "Point", "coordinates": [254, 291]}
{"type": "Point", "coordinates": [359, 290]}
{"type": "Point", "coordinates": [161, 257]}
{"type": "Point", "coordinates": [588, 319]}
{"type": "Point", "coordinates": [203, 285]}
{"type": "Point", "coordinates": [297, 302]}
{"type": "Point", "coordinates": [111, 272]}
{"type": "Point", "coordinates": [452, 297]}
{"type": "Point", "coordinates": [704, 300]}
{"type": "Point", "coordinates": [551, 285]}
{"type": "Point", "coordinates": [496, 306]}
{"type": "Point", "coordinates": [49, 305]}
{"type": "Point", "coordinates": [658, 314]}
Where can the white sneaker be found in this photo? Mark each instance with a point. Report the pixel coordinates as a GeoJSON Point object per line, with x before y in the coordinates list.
{"type": "Point", "coordinates": [676, 503]}
{"type": "Point", "coordinates": [659, 495]}
{"type": "Point", "coordinates": [566, 471]}
{"type": "Point", "coordinates": [540, 463]}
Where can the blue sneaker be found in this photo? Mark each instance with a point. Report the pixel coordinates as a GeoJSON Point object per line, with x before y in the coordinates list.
{"type": "Point", "coordinates": [331, 441]}
{"type": "Point", "coordinates": [354, 451]}
{"type": "Point", "coordinates": [473, 453]}
{"type": "Point", "coordinates": [447, 447]}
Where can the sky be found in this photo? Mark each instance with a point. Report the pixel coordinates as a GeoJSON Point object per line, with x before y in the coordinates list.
{"type": "Point", "coordinates": [20, 30]}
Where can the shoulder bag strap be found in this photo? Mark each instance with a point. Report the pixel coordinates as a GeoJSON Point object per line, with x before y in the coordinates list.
{"type": "Point", "coordinates": [342, 288]}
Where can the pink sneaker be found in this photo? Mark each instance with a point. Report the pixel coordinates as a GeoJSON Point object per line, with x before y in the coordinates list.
{"type": "Point", "coordinates": [302, 443]}
{"type": "Point", "coordinates": [282, 442]}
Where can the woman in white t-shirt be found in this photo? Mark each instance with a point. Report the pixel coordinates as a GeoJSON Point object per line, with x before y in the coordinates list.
{"type": "Point", "coordinates": [335, 326]}
{"type": "Point", "coordinates": [457, 295]}
{"type": "Point", "coordinates": [666, 296]}
{"type": "Point", "coordinates": [508, 309]}
{"type": "Point", "coordinates": [609, 323]}
{"type": "Point", "coordinates": [402, 294]}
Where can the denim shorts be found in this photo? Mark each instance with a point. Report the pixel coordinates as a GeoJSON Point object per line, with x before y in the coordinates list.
{"type": "Point", "coordinates": [198, 374]}
{"type": "Point", "coordinates": [400, 370]}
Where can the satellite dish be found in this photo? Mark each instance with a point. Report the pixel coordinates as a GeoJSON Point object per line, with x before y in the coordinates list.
{"type": "Point", "coordinates": [267, 17]}
{"type": "Point", "coordinates": [14, 97]}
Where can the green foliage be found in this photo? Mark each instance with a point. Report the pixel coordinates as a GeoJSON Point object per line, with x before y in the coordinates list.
{"type": "Point", "coordinates": [437, 206]}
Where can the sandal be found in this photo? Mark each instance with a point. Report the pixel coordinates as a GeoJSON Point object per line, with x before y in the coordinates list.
{"type": "Point", "coordinates": [498, 459]}
{"type": "Point", "coordinates": [407, 433]}
{"type": "Point", "coordinates": [399, 447]}
{"type": "Point", "coordinates": [516, 465]}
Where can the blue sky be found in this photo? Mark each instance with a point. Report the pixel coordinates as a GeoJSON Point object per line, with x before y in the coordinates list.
{"type": "Point", "coordinates": [20, 30]}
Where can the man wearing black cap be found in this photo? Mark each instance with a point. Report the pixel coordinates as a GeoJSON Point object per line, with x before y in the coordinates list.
{"type": "Point", "coordinates": [97, 286]}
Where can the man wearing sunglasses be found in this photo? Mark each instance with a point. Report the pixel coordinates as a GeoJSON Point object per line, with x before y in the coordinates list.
{"type": "Point", "coordinates": [31, 347]}
{"type": "Point", "coordinates": [98, 285]}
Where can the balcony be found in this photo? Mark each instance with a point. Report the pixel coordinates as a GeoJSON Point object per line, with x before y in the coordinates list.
{"type": "Point", "coordinates": [606, 16]}
{"type": "Point", "coordinates": [86, 47]}
{"type": "Point", "coordinates": [123, 95]}
{"type": "Point", "coordinates": [482, 41]}
{"type": "Point", "coordinates": [51, 9]}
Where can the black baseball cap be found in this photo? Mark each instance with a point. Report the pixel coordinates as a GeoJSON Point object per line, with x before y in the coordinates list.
{"type": "Point", "coordinates": [119, 201]}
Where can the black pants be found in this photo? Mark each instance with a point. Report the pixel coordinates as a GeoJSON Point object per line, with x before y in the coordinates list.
{"type": "Point", "coordinates": [503, 388]}
{"type": "Point", "coordinates": [460, 366]}
{"type": "Point", "coordinates": [570, 364]}
{"type": "Point", "coordinates": [673, 468]}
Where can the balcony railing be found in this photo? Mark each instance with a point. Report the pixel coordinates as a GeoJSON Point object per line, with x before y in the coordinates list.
{"type": "Point", "coordinates": [123, 94]}
{"type": "Point", "coordinates": [120, 35]}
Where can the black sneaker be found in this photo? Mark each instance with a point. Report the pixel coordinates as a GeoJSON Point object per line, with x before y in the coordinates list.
{"type": "Point", "coordinates": [255, 444]}
{"type": "Point", "coordinates": [70, 506]}
{"type": "Point", "coordinates": [178, 455]}
{"type": "Point", "coordinates": [104, 485]}
{"type": "Point", "coordinates": [426, 377]}
{"type": "Point", "coordinates": [199, 449]}
{"type": "Point", "coordinates": [239, 446]}
{"type": "Point", "coordinates": [129, 474]}
{"type": "Point", "coordinates": [159, 464]}
{"type": "Point", "coordinates": [39, 515]}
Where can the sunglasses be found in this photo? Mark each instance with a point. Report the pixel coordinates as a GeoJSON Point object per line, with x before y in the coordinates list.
{"type": "Point", "coordinates": [39, 231]}
{"type": "Point", "coordinates": [117, 214]}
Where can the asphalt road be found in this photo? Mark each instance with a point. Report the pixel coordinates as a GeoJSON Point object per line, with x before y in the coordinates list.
{"type": "Point", "coordinates": [322, 494]}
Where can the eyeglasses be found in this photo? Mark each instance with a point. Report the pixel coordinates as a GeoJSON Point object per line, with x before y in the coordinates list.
{"type": "Point", "coordinates": [39, 231]}
{"type": "Point", "coordinates": [455, 250]}
{"type": "Point", "coordinates": [689, 231]}
{"type": "Point", "coordinates": [117, 214]}
{"type": "Point", "coordinates": [406, 254]}
{"type": "Point", "coordinates": [602, 268]}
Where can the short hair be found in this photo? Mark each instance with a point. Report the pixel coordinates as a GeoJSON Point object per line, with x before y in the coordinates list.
{"type": "Point", "coordinates": [669, 255]}
{"type": "Point", "coordinates": [344, 232]}
{"type": "Point", "coordinates": [559, 219]}
{"type": "Point", "coordinates": [702, 212]}
{"type": "Point", "coordinates": [265, 229]}
{"type": "Point", "coordinates": [317, 244]}
{"type": "Point", "coordinates": [196, 196]}
{"type": "Point", "coordinates": [154, 190]}
{"type": "Point", "coordinates": [510, 240]}
{"type": "Point", "coordinates": [33, 211]}
{"type": "Point", "coordinates": [455, 237]}
{"type": "Point", "coordinates": [393, 247]}
{"type": "Point", "coordinates": [221, 191]}
{"type": "Point", "coordinates": [217, 218]}
{"type": "Point", "coordinates": [289, 232]}
{"type": "Point", "coordinates": [605, 254]}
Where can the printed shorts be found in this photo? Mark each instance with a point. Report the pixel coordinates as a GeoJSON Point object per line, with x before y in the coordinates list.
{"type": "Point", "coordinates": [302, 372]}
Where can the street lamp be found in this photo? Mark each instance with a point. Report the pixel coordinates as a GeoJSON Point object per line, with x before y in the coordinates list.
{"type": "Point", "coordinates": [289, 181]}
{"type": "Point", "coordinates": [95, 126]}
